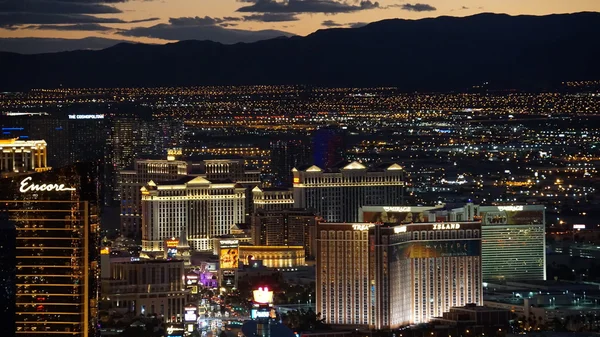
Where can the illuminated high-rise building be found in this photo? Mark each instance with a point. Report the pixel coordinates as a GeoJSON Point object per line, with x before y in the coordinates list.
{"type": "Point", "coordinates": [513, 240]}
{"type": "Point", "coordinates": [388, 276]}
{"type": "Point", "coordinates": [56, 219]}
{"type": "Point", "coordinates": [272, 198]}
{"type": "Point", "coordinates": [21, 156]}
{"type": "Point", "coordinates": [337, 193]}
{"type": "Point", "coordinates": [203, 209]}
{"type": "Point", "coordinates": [145, 170]}
{"type": "Point", "coordinates": [129, 137]}
{"type": "Point", "coordinates": [292, 227]}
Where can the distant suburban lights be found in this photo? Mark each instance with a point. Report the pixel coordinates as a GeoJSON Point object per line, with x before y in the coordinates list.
{"type": "Point", "coordinates": [26, 186]}
{"type": "Point", "coordinates": [86, 116]}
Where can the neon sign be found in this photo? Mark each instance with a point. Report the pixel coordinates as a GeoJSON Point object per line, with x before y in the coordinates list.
{"type": "Point", "coordinates": [510, 208]}
{"type": "Point", "coordinates": [402, 209]}
{"type": "Point", "coordinates": [446, 226]}
{"type": "Point", "coordinates": [172, 329]}
{"type": "Point", "coordinates": [26, 186]}
{"type": "Point", "coordinates": [86, 116]}
{"type": "Point", "coordinates": [358, 227]}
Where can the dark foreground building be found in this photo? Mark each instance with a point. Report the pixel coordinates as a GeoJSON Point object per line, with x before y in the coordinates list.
{"type": "Point", "coordinates": [50, 235]}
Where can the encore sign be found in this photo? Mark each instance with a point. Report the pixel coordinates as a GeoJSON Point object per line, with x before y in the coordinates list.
{"type": "Point", "coordinates": [28, 186]}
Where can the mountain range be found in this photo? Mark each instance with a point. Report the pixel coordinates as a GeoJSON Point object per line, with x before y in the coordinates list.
{"type": "Point", "coordinates": [438, 54]}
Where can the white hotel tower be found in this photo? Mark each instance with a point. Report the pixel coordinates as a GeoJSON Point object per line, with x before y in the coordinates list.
{"type": "Point", "coordinates": [203, 209]}
{"type": "Point", "coordinates": [337, 193]}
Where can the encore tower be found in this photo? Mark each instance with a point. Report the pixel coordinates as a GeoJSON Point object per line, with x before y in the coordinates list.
{"type": "Point", "coordinates": [55, 216]}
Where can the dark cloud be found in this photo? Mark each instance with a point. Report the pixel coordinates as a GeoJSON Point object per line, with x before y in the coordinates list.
{"type": "Point", "coordinates": [15, 20]}
{"type": "Point", "coordinates": [306, 6]}
{"type": "Point", "coordinates": [331, 23]}
{"type": "Point", "coordinates": [418, 7]}
{"type": "Point", "coordinates": [199, 21]}
{"type": "Point", "coordinates": [271, 17]}
{"type": "Point", "coordinates": [184, 30]}
{"type": "Point", "coordinates": [55, 7]}
{"type": "Point", "coordinates": [357, 24]}
{"type": "Point", "coordinates": [79, 26]}
{"type": "Point", "coordinates": [94, 1]}
{"type": "Point", "coordinates": [31, 45]}
{"type": "Point", "coordinates": [143, 20]}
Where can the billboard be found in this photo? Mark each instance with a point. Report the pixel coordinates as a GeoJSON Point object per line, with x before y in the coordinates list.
{"type": "Point", "coordinates": [262, 296]}
{"type": "Point", "coordinates": [433, 249]}
{"type": "Point", "coordinates": [229, 258]}
{"type": "Point", "coordinates": [395, 217]}
{"type": "Point", "coordinates": [512, 217]}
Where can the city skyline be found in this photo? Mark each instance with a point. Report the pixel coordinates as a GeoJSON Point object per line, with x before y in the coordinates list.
{"type": "Point", "coordinates": [231, 21]}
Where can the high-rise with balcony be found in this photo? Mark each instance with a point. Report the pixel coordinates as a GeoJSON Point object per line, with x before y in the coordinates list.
{"type": "Point", "coordinates": [337, 193]}
{"type": "Point", "coordinates": [56, 224]}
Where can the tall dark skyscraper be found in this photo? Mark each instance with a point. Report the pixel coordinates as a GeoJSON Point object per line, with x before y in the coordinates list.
{"type": "Point", "coordinates": [129, 138]}
{"type": "Point", "coordinates": [285, 155]}
{"type": "Point", "coordinates": [56, 237]}
{"type": "Point", "coordinates": [7, 272]}
{"type": "Point", "coordinates": [328, 147]}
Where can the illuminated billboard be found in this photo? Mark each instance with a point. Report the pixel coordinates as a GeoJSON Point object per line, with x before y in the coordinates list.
{"type": "Point", "coordinates": [395, 217]}
{"type": "Point", "coordinates": [263, 295]}
{"type": "Point", "coordinates": [229, 258]}
{"type": "Point", "coordinates": [433, 249]}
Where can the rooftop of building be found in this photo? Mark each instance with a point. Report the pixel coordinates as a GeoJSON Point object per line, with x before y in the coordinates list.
{"type": "Point", "coordinates": [20, 142]}
{"type": "Point", "coordinates": [349, 165]}
{"type": "Point", "coordinates": [477, 308]}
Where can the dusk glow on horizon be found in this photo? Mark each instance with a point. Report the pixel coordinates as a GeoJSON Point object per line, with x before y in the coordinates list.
{"type": "Point", "coordinates": [230, 21]}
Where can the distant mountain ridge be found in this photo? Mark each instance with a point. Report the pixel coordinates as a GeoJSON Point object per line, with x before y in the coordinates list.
{"type": "Point", "coordinates": [444, 53]}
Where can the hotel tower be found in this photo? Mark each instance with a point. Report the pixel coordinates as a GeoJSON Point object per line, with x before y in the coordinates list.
{"type": "Point", "coordinates": [388, 276]}
{"type": "Point", "coordinates": [337, 193]}
{"type": "Point", "coordinates": [55, 221]}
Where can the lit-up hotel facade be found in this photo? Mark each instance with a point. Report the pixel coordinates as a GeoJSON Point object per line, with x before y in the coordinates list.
{"type": "Point", "coordinates": [200, 208]}
{"type": "Point", "coordinates": [132, 181]}
{"type": "Point", "coordinates": [20, 156]}
{"type": "Point", "coordinates": [513, 240]}
{"type": "Point", "coordinates": [56, 219]}
{"type": "Point", "coordinates": [336, 194]}
{"type": "Point", "coordinates": [388, 276]}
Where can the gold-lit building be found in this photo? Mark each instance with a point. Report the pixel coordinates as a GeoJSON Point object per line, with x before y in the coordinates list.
{"type": "Point", "coordinates": [274, 256]}
{"type": "Point", "coordinates": [387, 276]}
{"type": "Point", "coordinates": [272, 199]}
{"type": "Point", "coordinates": [21, 156]}
{"type": "Point", "coordinates": [56, 216]}
{"type": "Point", "coordinates": [292, 227]}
